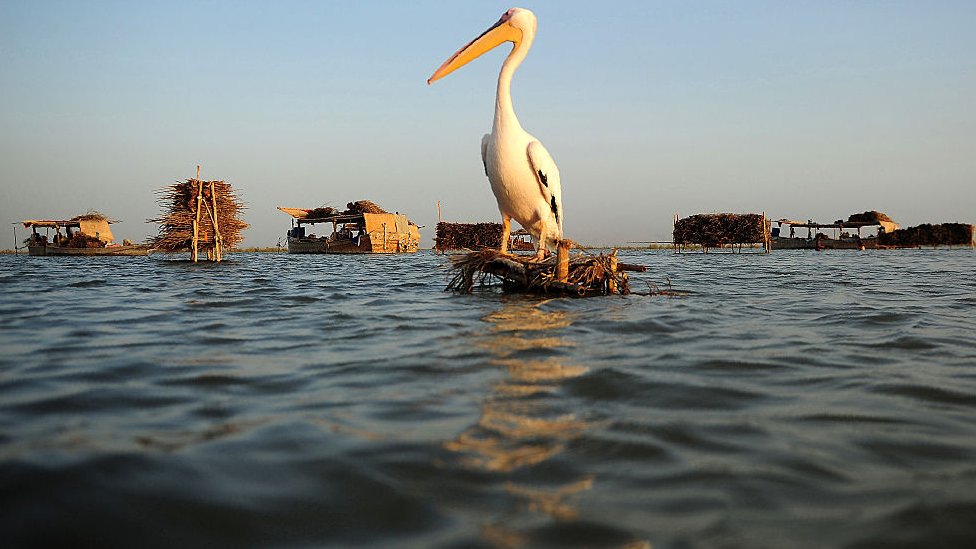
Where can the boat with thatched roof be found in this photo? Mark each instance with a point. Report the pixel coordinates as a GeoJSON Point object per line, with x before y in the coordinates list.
{"type": "Point", "coordinates": [88, 234]}
{"type": "Point", "coordinates": [362, 228]}
{"type": "Point", "coordinates": [839, 235]}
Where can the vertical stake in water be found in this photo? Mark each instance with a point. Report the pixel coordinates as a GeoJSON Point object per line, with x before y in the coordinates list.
{"type": "Point", "coordinates": [196, 220]}
{"type": "Point", "coordinates": [674, 225]}
{"type": "Point", "coordinates": [612, 280]}
{"type": "Point", "coordinates": [562, 260]}
{"type": "Point", "coordinates": [217, 238]}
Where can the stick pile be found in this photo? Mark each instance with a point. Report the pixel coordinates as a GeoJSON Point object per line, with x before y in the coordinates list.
{"type": "Point", "coordinates": [712, 230]}
{"type": "Point", "coordinates": [199, 215]}
{"type": "Point", "coordinates": [587, 275]}
{"type": "Point", "coordinates": [470, 236]}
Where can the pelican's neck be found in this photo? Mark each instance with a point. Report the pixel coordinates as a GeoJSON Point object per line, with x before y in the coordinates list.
{"type": "Point", "coordinates": [504, 111]}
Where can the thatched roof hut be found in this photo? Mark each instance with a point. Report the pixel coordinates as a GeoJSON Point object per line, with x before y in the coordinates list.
{"type": "Point", "coordinates": [926, 234]}
{"type": "Point", "coordinates": [715, 230]}
{"type": "Point", "coordinates": [467, 236]}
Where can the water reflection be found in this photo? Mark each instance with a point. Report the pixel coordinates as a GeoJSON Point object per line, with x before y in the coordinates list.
{"type": "Point", "coordinates": [522, 422]}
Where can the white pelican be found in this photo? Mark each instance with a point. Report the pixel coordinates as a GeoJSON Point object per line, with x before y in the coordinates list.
{"type": "Point", "coordinates": [523, 176]}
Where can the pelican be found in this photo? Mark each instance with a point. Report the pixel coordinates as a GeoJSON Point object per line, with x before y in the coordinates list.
{"type": "Point", "coordinates": [523, 176]}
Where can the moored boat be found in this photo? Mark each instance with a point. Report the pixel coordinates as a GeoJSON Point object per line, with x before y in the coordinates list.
{"type": "Point", "coordinates": [363, 228]}
{"type": "Point", "coordinates": [84, 235]}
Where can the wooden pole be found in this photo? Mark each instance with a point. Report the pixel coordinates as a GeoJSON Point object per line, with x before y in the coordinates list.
{"type": "Point", "coordinates": [438, 211]}
{"type": "Point", "coordinates": [196, 220]}
{"type": "Point", "coordinates": [217, 238]}
{"type": "Point", "coordinates": [612, 281]}
{"type": "Point", "coordinates": [562, 260]}
{"type": "Point", "coordinates": [674, 224]}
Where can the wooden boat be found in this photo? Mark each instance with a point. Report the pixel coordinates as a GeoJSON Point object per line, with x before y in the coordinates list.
{"type": "Point", "coordinates": [85, 235]}
{"type": "Point", "coordinates": [351, 232]}
{"type": "Point", "coordinates": [818, 235]}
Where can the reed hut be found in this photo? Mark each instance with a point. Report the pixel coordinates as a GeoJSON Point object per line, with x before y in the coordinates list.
{"type": "Point", "coordinates": [470, 236]}
{"type": "Point", "coordinates": [721, 229]}
{"type": "Point", "coordinates": [478, 236]}
{"type": "Point", "coordinates": [199, 215]}
{"type": "Point", "coordinates": [926, 234]}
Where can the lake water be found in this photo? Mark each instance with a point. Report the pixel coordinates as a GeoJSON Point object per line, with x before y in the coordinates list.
{"type": "Point", "coordinates": [796, 399]}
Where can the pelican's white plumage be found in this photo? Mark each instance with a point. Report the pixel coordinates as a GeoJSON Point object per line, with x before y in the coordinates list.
{"type": "Point", "coordinates": [523, 176]}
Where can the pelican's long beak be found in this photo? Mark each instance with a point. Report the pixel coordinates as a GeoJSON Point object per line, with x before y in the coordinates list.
{"type": "Point", "coordinates": [498, 33]}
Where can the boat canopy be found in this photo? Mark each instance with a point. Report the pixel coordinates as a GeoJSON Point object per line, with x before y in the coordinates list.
{"type": "Point", "coordinates": [96, 227]}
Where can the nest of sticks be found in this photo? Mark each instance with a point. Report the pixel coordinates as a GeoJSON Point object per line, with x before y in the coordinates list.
{"type": "Point", "coordinates": [588, 275]}
{"type": "Point", "coordinates": [220, 209]}
{"type": "Point", "coordinates": [467, 236]}
{"type": "Point", "coordinates": [944, 234]}
{"type": "Point", "coordinates": [712, 230]}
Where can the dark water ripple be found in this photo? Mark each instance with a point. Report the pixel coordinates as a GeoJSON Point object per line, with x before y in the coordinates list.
{"type": "Point", "coordinates": [790, 400]}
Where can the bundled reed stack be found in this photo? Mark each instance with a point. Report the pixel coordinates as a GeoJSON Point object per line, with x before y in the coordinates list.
{"type": "Point", "coordinates": [944, 234]}
{"type": "Point", "coordinates": [467, 236]}
{"type": "Point", "coordinates": [717, 230]}
{"type": "Point", "coordinates": [578, 276]}
{"type": "Point", "coordinates": [363, 206]}
{"type": "Point", "coordinates": [871, 216]}
{"type": "Point", "coordinates": [199, 215]}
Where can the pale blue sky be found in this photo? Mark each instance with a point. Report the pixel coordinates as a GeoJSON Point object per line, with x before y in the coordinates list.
{"type": "Point", "coordinates": [799, 109]}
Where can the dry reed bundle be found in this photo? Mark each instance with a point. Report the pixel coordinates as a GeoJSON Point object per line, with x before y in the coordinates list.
{"type": "Point", "coordinates": [944, 234]}
{"type": "Point", "coordinates": [712, 230]}
{"type": "Point", "coordinates": [321, 213]}
{"type": "Point", "coordinates": [92, 215]}
{"type": "Point", "coordinates": [869, 217]}
{"type": "Point", "coordinates": [471, 236]}
{"type": "Point", "coordinates": [587, 275]}
{"type": "Point", "coordinates": [199, 215]}
{"type": "Point", "coordinates": [363, 206]}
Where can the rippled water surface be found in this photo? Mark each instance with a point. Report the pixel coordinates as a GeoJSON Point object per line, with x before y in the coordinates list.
{"type": "Point", "coordinates": [797, 399]}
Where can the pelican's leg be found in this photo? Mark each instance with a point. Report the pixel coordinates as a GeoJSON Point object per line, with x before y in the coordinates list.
{"type": "Point", "coordinates": [541, 252]}
{"type": "Point", "coordinates": [506, 231]}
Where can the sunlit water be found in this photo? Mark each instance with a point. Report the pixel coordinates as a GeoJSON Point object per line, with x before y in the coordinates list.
{"type": "Point", "coordinates": [797, 399]}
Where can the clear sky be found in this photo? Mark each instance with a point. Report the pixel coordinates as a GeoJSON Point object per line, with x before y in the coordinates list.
{"type": "Point", "coordinates": [800, 109]}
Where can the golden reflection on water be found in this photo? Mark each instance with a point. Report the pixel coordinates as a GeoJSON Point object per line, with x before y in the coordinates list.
{"type": "Point", "coordinates": [516, 428]}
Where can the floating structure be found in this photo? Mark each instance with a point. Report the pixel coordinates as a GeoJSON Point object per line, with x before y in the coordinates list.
{"type": "Point", "coordinates": [362, 228]}
{"type": "Point", "coordinates": [478, 236]}
{"type": "Point", "coordinates": [847, 234]}
{"type": "Point", "coordinates": [720, 230]}
{"type": "Point", "coordinates": [579, 276]}
{"type": "Point", "coordinates": [199, 216]}
{"type": "Point", "coordinates": [944, 234]}
{"type": "Point", "coordinates": [88, 234]}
